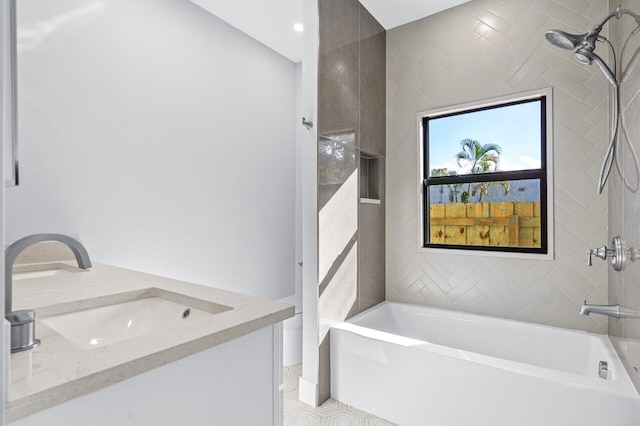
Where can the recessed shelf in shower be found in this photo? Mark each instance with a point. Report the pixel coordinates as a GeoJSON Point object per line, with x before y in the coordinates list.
{"type": "Point", "coordinates": [369, 178]}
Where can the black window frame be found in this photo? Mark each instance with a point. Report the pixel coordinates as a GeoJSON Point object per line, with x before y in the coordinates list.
{"type": "Point", "coordinates": [540, 174]}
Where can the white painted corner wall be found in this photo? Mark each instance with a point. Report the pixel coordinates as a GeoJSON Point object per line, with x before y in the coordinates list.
{"type": "Point", "coordinates": [5, 123]}
{"type": "Point", "coordinates": [310, 323]}
{"type": "Point", "coordinates": [293, 326]}
{"type": "Point", "coordinates": [481, 50]}
{"type": "Point", "coordinates": [161, 137]}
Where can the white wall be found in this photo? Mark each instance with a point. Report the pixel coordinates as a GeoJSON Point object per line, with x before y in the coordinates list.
{"type": "Point", "coordinates": [310, 321]}
{"type": "Point", "coordinates": [485, 49]}
{"type": "Point", "coordinates": [293, 326]}
{"type": "Point", "coordinates": [5, 105]}
{"type": "Point", "coordinates": [160, 136]}
{"type": "Point", "coordinates": [300, 138]}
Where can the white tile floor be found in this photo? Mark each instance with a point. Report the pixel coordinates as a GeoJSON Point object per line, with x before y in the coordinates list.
{"type": "Point", "coordinates": [334, 413]}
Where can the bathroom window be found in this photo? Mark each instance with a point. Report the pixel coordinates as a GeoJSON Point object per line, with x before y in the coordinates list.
{"type": "Point", "coordinates": [486, 176]}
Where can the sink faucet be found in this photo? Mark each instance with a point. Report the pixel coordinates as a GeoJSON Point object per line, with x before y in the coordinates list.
{"type": "Point", "coordinates": [610, 310]}
{"type": "Point", "coordinates": [23, 321]}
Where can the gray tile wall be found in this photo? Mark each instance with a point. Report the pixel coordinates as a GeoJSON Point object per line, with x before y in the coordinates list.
{"type": "Point", "coordinates": [624, 206]}
{"type": "Point", "coordinates": [371, 217]}
{"type": "Point", "coordinates": [372, 85]}
{"type": "Point", "coordinates": [479, 50]}
{"type": "Point", "coordinates": [351, 112]}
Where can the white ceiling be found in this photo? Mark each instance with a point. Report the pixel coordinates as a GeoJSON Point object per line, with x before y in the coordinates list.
{"type": "Point", "coordinates": [271, 22]}
{"type": "Point", "coordinates": [393, 13]}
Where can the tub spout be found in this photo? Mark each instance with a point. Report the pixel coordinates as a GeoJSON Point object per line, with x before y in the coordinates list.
{"type": "Point", "coordinates": [610, 310]}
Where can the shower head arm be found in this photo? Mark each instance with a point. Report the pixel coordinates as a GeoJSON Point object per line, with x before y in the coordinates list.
{"type": "Point", "coordinates": [617, 13]}
{"type": "Point", "coordinates": [594, 34]}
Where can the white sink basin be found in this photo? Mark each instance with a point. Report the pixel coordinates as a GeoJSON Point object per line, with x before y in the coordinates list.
{"type": "Point", "coordinates": [101, 326]}
{"type": "Point", "coordinates": [40, 274]}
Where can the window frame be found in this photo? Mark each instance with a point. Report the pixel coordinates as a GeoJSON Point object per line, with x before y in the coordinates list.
{"type": "Point", "coordinates": [544, 174]}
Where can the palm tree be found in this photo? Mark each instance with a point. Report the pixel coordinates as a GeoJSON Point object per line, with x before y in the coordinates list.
{"type": "Point", "coordinates": [479, 157]}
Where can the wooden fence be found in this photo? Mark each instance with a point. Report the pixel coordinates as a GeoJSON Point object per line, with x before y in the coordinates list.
{"type": "Point", "coordinates": [509, 224]}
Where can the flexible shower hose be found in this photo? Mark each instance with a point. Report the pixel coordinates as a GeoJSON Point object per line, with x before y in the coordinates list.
{"type": "Point", "coordinates": [617, 122]}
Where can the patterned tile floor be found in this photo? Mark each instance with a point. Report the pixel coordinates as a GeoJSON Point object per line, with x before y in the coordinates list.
{"type": "Point", "coordinates": [333, 413]}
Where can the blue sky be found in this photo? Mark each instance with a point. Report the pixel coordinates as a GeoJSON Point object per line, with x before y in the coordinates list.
{"type": "Point", "coordinates": [515, 128]}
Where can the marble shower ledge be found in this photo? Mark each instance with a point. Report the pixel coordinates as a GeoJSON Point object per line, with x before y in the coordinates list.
{"type": "Point", "coordinates": [58, 370]}
{"type": "Point", "coordinates": [369, 201]}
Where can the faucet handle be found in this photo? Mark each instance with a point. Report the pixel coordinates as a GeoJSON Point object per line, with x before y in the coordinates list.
{"type": "Point", "coordinates": [600, 252]}
{"type": "Point", "coordinates": [618, 253]}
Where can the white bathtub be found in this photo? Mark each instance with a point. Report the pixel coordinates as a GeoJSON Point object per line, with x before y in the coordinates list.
{"type": "Point", "coordinates": [415, 365]}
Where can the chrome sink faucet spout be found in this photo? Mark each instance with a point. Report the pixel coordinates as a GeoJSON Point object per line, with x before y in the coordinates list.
{"type": "Point", "coordinates": [23, 321]}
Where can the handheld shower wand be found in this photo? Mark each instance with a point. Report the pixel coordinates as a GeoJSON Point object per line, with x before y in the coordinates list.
{"type": "Point", "coordinates": [587, 57]}
{"type": "Point", "coordinates": [585, 45]}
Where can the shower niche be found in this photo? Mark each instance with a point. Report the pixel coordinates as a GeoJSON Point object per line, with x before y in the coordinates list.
{"type": "Point", "coordinates": [369, 178]}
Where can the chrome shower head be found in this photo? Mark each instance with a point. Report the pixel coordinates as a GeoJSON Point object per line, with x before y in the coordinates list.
{"type": "Point", "coordinates": [565, 40]}
{"type": "Point", "coordinates": [568, 41]}
{"type": "Point", "coordinates": [584, 56]}
{"type": "Point", "coordinates": [585, 45]}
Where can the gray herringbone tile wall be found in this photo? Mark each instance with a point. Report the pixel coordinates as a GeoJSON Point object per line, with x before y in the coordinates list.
{"type": "Point", "coordinates": [624, 206]}
{"type": "Point", "coordinates": [480, 50]}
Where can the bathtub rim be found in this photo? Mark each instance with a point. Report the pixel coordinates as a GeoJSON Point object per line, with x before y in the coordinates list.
{"type": "Point", "coordinates": [482, 316]}
{"type": "Point", "coordinates": [622, 385]}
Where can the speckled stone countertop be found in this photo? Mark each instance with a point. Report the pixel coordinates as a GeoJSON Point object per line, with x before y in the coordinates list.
{"type": "Point", "coordinates": [58, 370]}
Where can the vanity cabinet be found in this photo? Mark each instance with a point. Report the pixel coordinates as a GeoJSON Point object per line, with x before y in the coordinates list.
{"type": "Point", "coordinates": [234, 383]}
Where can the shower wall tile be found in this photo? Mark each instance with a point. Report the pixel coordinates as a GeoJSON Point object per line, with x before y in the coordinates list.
{"type": "Point", "coordinates": [338, 160]}
{"type": "Point", "coordinates": [372, 84]}
{"type": "Point", "coordinates": [485, 49]}
{"type": "Point", "coordinates": [338, 66]}
{"type": "Point", "coordinates": [339, 26]}
{"type": "Point", "coordinates": [630, 86]}
{"type": "Point", "coordinates": [624, 205]}
{"type": "Point", "coordinates": [371, 217]}
{"type": "Point", "coordinates": [371, 262]}
{"type": "Point", "coordinates": [351, 111]}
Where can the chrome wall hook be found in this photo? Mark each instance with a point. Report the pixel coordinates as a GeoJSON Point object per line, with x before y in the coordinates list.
{"type": "Point", "coordinates": [307, 124]}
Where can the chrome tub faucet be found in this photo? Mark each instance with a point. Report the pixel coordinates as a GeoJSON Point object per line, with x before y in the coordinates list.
{"type": "Point", "coordinates": [23, 321]}
{"type": "Point", "coordinates": [609, 310]}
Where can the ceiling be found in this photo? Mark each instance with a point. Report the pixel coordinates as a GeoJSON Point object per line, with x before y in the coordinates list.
{"type": "Point", "coordinates": [393, 13]}
{"type": "Point", "coordinates": [271, 22]}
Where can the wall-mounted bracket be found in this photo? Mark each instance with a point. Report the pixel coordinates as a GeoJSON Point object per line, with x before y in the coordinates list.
{"type": "Point", "coordinates": [307, 124]}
